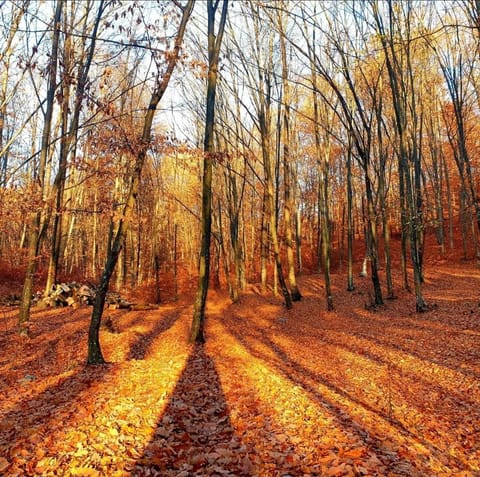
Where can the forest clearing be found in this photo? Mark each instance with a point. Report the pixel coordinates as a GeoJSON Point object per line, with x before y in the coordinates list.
{"type": "Point", "coordinates": [357, 391]}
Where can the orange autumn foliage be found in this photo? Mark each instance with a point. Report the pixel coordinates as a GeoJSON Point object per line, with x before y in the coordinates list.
{"type": "Point", "coordinates": [353, 392]}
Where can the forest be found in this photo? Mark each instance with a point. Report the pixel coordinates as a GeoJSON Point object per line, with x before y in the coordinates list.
{"type": "Point", "coordinates": [240, 238]}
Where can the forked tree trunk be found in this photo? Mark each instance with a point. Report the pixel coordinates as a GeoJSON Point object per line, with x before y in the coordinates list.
{"type": "Point", "coordinates": [34, 232]}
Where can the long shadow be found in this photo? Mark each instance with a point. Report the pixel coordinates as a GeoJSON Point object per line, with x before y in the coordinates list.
{"type": "Point", "coordinates": [447, 362]}
{"type": "Point", "coordinates": [58, 328]}
{"type": "Point", "coordinates": [49, 355]}
{"type": "Point", "coordinates": [33, 417]}
{"type": "Point", "coordinates": [363, 350]}
{"type": "Point", "coordinates": [366, 351]}
{"type": "Point", "coordinates": [143, 344]}
{"type": "Point", "coordinates": [194, 436]}
{"type": "Point", "coordinates": [389, 343]}
{"type": "Point", "coordinates": [306, 379]}
{"type": "Point", "coordinates": [45, 345]}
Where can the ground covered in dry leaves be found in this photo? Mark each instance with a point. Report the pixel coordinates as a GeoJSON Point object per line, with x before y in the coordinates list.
{"type": "Point", "coordinates": [354, 392]}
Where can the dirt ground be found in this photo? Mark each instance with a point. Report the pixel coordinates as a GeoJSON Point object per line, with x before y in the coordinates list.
{"type": "Point", "coordinates": [305, 392]}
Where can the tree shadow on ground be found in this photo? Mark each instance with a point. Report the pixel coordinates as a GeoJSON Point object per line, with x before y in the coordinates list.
{"type": "Point", "coordinates": [195, 436]}
{"type": "Point", "coordinates": [400, 374]}
{"type": "Point", "coordinates": [144, 342]}
{"type": "Point", "coordinates": [39, 416]}
{"type": "Point", "coordinates": [309, 381]}
{"type": "Point", "coordinates": [33, 419]}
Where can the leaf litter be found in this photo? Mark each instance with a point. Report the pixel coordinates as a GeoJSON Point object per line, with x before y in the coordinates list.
{"type": "Point", "coordinates": [305, 392]}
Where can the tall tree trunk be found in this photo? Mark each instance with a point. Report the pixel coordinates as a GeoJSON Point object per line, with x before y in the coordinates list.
{"type": "Point", "coordinates": [270, 200]}
{"type": "Point", "coordinates": [437, 179]}
{"type": "Point", "coordinates": [34, 232]}
{"type": "Point", "coordinates": [443, 165]}
{"type": "Point", "coordinates": [197, 332]}
{"type": "Point", "coordinates": [298, 240]}
{"type": "Point", "coordinates": [322, 149]}
{"type": "Point", "coordinates": [264, 237]}
{"type": "Point", "coordinates": [157, 278]}
{"type": "Point", "coordinates": [386, 231]}
{"type": "Point", "coordinates": [372, 237]}
{"type": "Point", "coordinates": [175, 260]}
{"type": "Point", "coordinates": [59, 185]}
{"type": "Point", "coordinates": [350, 231]}
{"type": "Point", "coordinates": [69, 134]}
{"type": "Point", "coordinates": [382, 195]}
{"type": "Point", "coordinates": [403, 227]}
{"type": "Point", "coordinates": [388, 257]}
{"type": "Point", "coordinates": [287, 174]}
{"type": "Point", "coordinates": [95, 355]}
{"type": "Point", "coordinates": [234, 209]}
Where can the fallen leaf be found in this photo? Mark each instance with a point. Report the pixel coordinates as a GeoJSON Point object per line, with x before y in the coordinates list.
{"type": "Point", "coordinates": [84, 472]}
{"type": "Point", "coordinates": [4, 464]}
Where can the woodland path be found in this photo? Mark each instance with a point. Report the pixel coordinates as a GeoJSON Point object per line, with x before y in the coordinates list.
{"type": "Point", "coordinates": [353, 392]}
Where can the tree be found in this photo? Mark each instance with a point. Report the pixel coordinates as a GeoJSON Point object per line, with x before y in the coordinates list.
{"type": "Point", "coordinates": [34, 234]}
{"type": "Point", "coordinates": [458, 71]}
{"type": "Point", "coordinates": [197, 332]}
{"type": "Point", "coordinates": [335, 67]}
{"type": "Point", "coordinates": [70, 131]}
{"type": "Point", "coordinates": [17, 13]}
{"type": "Point", "coordinates": [397, 50]}
{"type": "Point", "coordinates": [118, 236]}
{"type": "Point", "coordinates": [287, 163]}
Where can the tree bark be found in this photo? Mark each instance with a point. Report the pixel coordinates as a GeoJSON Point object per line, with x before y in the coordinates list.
{"type": "Point", "coordinates": [197, 331]}
{"type": "Point", "coordinates": [94, 349]}
{"type": "Point", "coordinates": [287, 174]}
{"type": "Point", "coordinates": [350, 231]}
{"type": "Point", "coordinates": [34, 232]}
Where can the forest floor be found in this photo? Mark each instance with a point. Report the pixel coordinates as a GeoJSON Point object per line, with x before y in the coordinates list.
{"type": "Point", "coordinates": [353, 392]}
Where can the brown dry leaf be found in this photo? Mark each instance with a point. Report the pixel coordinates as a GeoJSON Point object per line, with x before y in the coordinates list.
{"type": "Point", "coordinates": [350, 392]}
{"type": "Point", "coordinates": [336, 471]}
{"type": "Point", "coordinates": [4, 464]}
{"type": "Point", "coordinates": [247, 466]}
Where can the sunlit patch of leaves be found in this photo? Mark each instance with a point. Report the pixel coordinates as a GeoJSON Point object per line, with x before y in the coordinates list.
{"type": "Point", "coordinates": [272, 393]}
